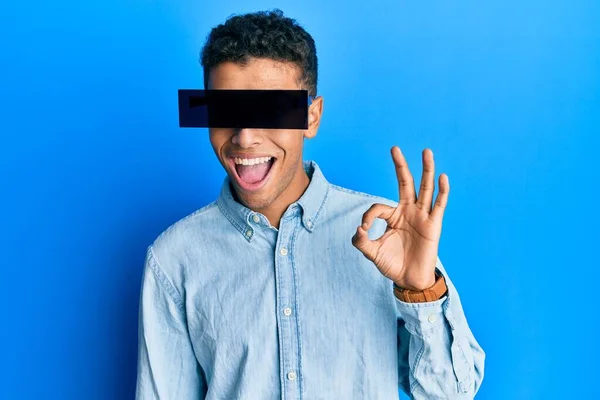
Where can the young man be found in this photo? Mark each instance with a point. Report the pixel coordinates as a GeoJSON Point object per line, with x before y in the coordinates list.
{"type": "Point", "coordinates": [276, 290]}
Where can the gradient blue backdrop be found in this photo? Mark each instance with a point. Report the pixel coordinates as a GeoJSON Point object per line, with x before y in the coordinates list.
{"type": "Point", "coordinates": [93, 167]}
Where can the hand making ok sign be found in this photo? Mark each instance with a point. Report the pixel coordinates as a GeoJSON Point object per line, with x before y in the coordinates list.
{"type": "Point", "coordinates": [407, 252]}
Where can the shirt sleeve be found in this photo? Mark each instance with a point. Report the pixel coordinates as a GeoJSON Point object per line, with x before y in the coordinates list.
{"type": "Point", "coordinates": [167, 366]}
{"type": "Point", "coordinates": [438, 356]}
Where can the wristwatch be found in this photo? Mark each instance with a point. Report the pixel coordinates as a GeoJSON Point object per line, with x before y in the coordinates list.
{"type": "Point", "coordinates": [433, 293]}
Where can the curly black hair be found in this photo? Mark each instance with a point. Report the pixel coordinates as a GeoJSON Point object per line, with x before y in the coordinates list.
{"type": "Point", "coordinates": [263, 34]}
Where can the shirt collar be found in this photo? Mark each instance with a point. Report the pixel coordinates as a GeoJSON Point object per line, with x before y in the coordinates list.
{"type": "Point", "coordinates": [311, 203]}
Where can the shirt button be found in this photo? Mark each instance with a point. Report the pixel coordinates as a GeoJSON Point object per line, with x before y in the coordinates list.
{"type": "Point", "coordinates": [308, 223]}
{"type": "Point", "coordinates": [256, 218]}
{"type": "Point", "coordinates": [248, 233]}
{"type": "Point", "coordinates": [291, 376]}
{"type": "Point", "coordinates": [287, 311]}
{"type": "Point", "coordinates": [432, 318]}
{"type": "Point", "coordinates": [283, 251]}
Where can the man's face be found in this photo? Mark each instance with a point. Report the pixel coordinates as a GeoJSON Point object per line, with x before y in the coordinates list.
{"type": "Point", "coordinates": [258, 186]}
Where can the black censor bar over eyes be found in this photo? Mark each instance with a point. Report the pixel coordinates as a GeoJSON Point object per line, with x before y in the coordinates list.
{"type": "Point", "coordinates": [268, 109]}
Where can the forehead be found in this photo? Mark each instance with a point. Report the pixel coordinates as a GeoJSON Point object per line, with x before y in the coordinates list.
{"type": "Point", "coordinates": [255, 74]}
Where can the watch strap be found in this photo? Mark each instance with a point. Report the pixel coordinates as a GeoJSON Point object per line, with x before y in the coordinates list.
{"type": "Point", "coordinates": [433, 293]}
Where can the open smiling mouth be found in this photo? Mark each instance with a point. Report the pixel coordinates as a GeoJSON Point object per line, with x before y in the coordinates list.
{"type": "Point", "coordinates": [252, 174]}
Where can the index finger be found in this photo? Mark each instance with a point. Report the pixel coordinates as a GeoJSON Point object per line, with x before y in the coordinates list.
{"type": "Point", "coordinates": [406, 183]}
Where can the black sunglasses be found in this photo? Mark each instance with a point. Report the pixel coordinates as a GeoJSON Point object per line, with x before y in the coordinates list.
{"type": "Point", "coordinates": [269, 109]}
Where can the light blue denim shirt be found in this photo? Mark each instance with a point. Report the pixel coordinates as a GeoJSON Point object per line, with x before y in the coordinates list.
{"type": "Point", "coordinates": [233, 308]}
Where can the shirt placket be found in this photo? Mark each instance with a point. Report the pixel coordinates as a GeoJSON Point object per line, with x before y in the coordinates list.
{"type": "Point", "coordinates": [286, 312]}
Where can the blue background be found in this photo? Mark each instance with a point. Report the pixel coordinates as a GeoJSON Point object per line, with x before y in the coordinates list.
{"type": "Point", "coordinates": [93, 167]}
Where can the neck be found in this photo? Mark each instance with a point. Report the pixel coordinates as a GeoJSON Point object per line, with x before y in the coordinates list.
{"type": "Point", "coordinates": [291, 194]}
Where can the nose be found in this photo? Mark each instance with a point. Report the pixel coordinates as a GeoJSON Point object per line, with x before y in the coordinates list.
{"type": "Point", "coordinates": [245, 137]}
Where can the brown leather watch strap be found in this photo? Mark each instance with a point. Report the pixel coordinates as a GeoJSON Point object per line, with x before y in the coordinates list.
{"type": "Point", "coordinates": [433, 293]}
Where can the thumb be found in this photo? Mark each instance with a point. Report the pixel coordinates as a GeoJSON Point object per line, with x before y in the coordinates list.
{"type": "Point", "coordinates": [361, 241]}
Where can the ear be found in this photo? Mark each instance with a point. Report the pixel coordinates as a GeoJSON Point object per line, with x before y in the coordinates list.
{"type": "Point", "coordinates": [315, 111]}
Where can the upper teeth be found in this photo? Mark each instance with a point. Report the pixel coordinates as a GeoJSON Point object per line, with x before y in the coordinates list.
{"type": "Point", "coordinates": [251, 161]}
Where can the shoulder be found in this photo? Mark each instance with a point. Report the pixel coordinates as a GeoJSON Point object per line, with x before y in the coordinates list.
{"type": "Point", "coordinates": [354, 197]}
{"type": "Point", "coordinates": [347, 206]}
{"type": "Point", "coordinates": [187, 228]}
{"type": "Point", "coordinates": [174, 245]}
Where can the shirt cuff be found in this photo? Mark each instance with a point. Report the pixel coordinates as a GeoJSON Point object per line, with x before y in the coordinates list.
{"type": "Point", "coordinates": [422, 318]}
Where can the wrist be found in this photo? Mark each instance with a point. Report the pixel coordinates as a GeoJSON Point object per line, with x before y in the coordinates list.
{"type": "Point", "coordinates": [420, 286]}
